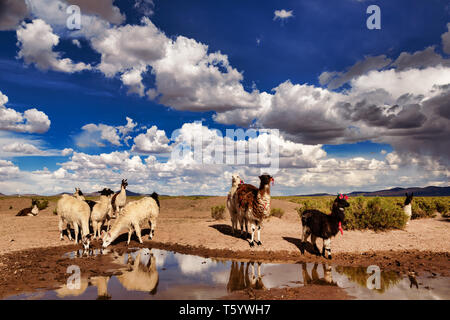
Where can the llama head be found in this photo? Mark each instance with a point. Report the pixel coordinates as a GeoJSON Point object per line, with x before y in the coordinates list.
{"type": "Point", "coordinates": [106, 238]}
{"type": "Point", "coordinates": [86, 241]}
{"type": "Point", "coordinates": [34, 202]}
{"type": "Point", "coordinates": [235, 179]}
{"type": "Point", "coordinates": [78, 192]}
{"type": "Point", "coordinates": [124, 183]}
{"type": "Point", "coordinates": [409, 198]}
{"type": "Point", "coordinates": [106, 192]}
{"type": "Point", "coordinates": [266, 179]}
{"type": "Point", "coordinates": [339, 205]}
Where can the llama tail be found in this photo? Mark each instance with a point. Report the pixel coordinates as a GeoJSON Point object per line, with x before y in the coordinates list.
{"type": "Point", "coordinates": [155, 196]}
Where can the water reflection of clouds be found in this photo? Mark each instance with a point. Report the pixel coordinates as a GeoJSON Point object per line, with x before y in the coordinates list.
{"type": "Point", "coordinates": [190, 265]}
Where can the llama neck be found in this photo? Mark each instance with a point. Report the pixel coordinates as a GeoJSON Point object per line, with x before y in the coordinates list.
{"type": "Point", "coordinates": [407, 210]}
{"type": "Point", "coordinates": [105, 199]}
{"type": "Point", "coordinates": [35, 210]}
{"type": "Point", "coordinates": [122, 190]}
{"type": "Point", "coordinates": [264, 189]}
{"type": "Point", "coordinates": [234, 188]}
{"type": "Point", "coordinates": [335, 210]}
{"type": "Point", "coordinates": [117, 227]}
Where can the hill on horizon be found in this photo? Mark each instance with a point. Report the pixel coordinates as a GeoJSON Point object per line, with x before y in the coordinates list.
{"type": "Point", "coordinates": [430, 191]}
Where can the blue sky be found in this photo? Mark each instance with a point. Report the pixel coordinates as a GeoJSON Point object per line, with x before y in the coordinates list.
{"type": "Point", "coordinates": [287, 54]}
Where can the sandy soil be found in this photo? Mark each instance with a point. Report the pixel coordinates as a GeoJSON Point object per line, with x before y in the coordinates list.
{"type": "Point", "coordinates": [186, 226]}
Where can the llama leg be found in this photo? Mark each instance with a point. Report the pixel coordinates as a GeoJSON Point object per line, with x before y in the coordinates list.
{"type": "Point", "coordinates": [305, 234]}
{"type": "Point", "coordinates": [61, 227]}
{"type": "Point", "coordinates": [99, 228]}
{"type": "Point", "coordinates": [258, 234]}
{"type": "Point", "coordinates": [152, 223]}
{"type": "Point", "coordinates": [130, 231]}
{"type": "Point", "coordinates": [326, 251]}
{"type": "Point", "coordinates": [75, 227]}
{"type": "Point", "coordinates": [137, 227]}
{"type": "Point", "coordinates": [253, 227]}
{"type": "Point", "coordinates": [94, 226]}
{"type": "Point", "coordinates": [69, 232]}
{"type": "Point", "coordinates": [313, 241]}
{"type": "Point", "coordinates": [246, 227]}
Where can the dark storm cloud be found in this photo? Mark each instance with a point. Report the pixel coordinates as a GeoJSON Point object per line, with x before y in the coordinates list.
{"type": "Point", "coordinates": [334, 80]}
{"type": "Point", "coordinates": [12, 12]}
{"type": "Point", "coordinates": [419, 60]}
{"type": "Point", "coordinates": [409, 117]}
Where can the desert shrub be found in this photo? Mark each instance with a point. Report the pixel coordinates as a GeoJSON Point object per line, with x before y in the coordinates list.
{"type": "Point", "coordinates": [442, 206]}
{"type": "Point", "coordinates": [374, 213]}
{"type": "Point", "coordinates": [276, 212]}
{"type": "Point", "coordinates": [363, 213]}
{"type": "Point", "coordinates": [42, 204]}
{"type": "Point", "coordinates": [423, 208]}
{"type": "Point", "coordinates": [218, 212]}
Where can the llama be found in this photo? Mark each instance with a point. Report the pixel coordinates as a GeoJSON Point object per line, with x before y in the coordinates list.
{"type": "Point", "coordinates": [407, 206]}
{"type": "Point", "coordinates": [253, 205]}
{"type": "Point", "coordinates": [119, 200]}
{"type": "Point", "coordinates": [31, 211]}
{"type": "Point", "coordinates": [319, 224]}
{"type": "Point", "coordinates": [75, 212]}
{"type": "Point", "coordinates": [135, 213]}
{"type": "Point", "coordinates": [235, 181]}
{"type": "Point", "coordinates": [100, 211]}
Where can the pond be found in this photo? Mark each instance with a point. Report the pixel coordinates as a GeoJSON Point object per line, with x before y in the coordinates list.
{"type": "Point", "coordinates": [160, 274]}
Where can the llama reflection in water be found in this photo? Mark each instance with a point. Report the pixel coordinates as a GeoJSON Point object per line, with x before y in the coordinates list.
{"type": "Point", "coordinates": [142, 274]}
{"type": "Point", "coordinates": [240, 277]}
{"type": "Point", "coordinates": [327, 279]}
{"type": "Point", "coordinates": [102, 287]}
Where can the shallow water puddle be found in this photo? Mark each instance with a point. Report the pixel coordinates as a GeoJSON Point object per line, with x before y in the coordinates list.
{"type": "Point", "coordinates": [160, 274]}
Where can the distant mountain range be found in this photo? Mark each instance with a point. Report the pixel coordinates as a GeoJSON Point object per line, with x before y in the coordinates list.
{"type": "Point", "coordinates": [430, 191]}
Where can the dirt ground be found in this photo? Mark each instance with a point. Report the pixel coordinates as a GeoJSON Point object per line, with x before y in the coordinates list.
{"type": "Point", "coordinates": [186, 226]}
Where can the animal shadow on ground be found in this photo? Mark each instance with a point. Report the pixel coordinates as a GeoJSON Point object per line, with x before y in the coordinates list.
{"type": "Point", "coordinates": [228, 231]}
{"type": "Point", "coordinates": [302, 246]}
{"type": "Point", "coordinates": [124, 237]}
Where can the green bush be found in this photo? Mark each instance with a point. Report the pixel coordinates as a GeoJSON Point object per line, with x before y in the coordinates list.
{"type": "Point", "coordinates": [423, 208]}
{"type": "Point", "coordinates": [442, 206]}
{"type": "Point", "coordinates": [276, 212]}
{"type": "Point", "coordinates": [363, 213]}
{"type": "Point", "coordinates": [218, 212]}
{"type": "Point", "coordinates": [42, 204]}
